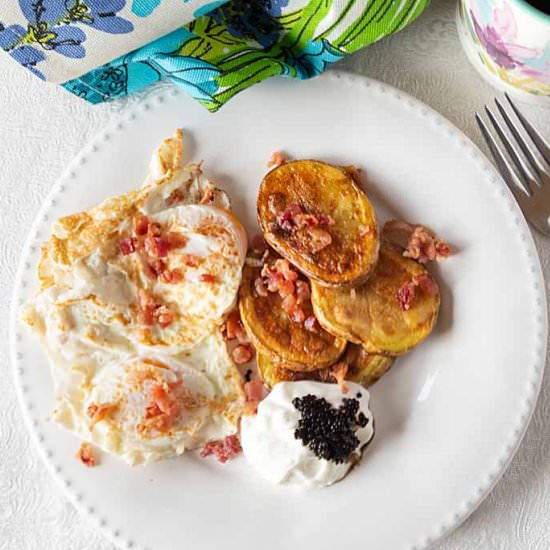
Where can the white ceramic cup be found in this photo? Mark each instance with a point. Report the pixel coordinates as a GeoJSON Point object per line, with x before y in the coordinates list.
{"type": "Point", "coordinates": [508, 42]}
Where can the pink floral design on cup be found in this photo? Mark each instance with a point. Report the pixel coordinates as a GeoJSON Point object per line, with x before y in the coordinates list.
{"type": "Point", "coordinates": [509, 42]}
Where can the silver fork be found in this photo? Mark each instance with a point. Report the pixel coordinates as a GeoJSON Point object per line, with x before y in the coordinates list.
{"type": "Point", "coordinates": [528, 174]}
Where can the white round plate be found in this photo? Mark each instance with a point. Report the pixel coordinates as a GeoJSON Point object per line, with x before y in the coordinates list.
{"type": "Point", "coordinates": [449, 415]}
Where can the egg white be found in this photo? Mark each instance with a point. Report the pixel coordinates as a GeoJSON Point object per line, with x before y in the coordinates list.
{"type": "Point", "coordinates": [86, 313]}
{"type": "Point", "coordinates": [207, 372]}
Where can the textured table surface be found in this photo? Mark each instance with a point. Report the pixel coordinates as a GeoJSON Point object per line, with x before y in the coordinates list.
{"type": "Point", "coordinates": [42, 128]}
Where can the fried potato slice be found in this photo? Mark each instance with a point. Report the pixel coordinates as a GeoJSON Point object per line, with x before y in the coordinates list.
{"type": "Point", "coordinates": [274, 335]}
{"type": "Point", "coordinates": [371, 315]}
{"type": "Point", "coordinates": [366, 368]}
{"type": "Point", "coordinates": [316, 216]}
{"type": "Point", "coordinates": [363, 368]}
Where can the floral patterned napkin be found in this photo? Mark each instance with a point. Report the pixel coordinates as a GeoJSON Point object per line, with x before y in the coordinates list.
{"type": "Point", "coordinates": [104, 49]}
{"type": "Point", "coordinates": [59, 40]}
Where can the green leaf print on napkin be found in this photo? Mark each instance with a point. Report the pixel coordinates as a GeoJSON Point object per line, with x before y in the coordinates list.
{"type": "Point", "coordinates": [246, 41]}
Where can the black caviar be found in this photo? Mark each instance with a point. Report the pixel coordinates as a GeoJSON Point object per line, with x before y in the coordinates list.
{"type": "Point", "coordinates": [329, 431]}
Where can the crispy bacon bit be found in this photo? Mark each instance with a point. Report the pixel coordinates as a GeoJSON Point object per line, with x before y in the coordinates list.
{"type": "Point", "coordinates": [171, 276]}
{"type": "Point", "coordinates": [165, 400]}
{"type": "Point", "coordinates": [145, 298]}
{"type": "Point", "coordinates": [155, 247]}
{"type": "Point", "coordinates": [311, 323]}
{"type": "Point", "coordinates": [224, 450]}
{"type": "Point", "coordinates": [286, 288]}
{"type": "Point", "coordinates": [234, 328]}
{"type": "Point", "coordinates": [208, 278]}
{"type": "Point", "coordinates": [149, 270]}
{"type": "Point", "coordinates": [86, 455]}
{"type": "Point", "coordinates": [141, 225]}
{"type": "Point", "coordinates": [288, 303]}
{"type": "Point", "coordinates": [278, 275]}
{"type": "Point", "coordinates": [283, 267]}
{"type": "Point", "coordinates": [146, 307]}
{"type": "Point", "coordinates": [158, 266]}
{"type": "Point", "coordinates": [151, 245]}
{"type": "Point", "coordinates": [154, 229]}
{"type": "Point", "coordinates": [163, 408]}
{"type": "Point", "coordinates": [319, 239]}
{"type": "Point", "coordinates": [355, 174]}
{"type": "Point", "coordinates": [294, 218]}
{"type": "Point", "coordinates": [127, 246]}
{"type": "Point", "coordinates": [97, 413]}
{"type": "Point", "coordinates": [277, 159]}
{"type": "Point", "coordinates": [259, 287]}
{"type": "Point", "coordinates": [175, 240]}
{"type": "Point", "coordinates": [418, 243]}
{"type": "Point", "coordinates": [281, 278]}
{"type": "Point", "coordinates": [149, 311]}
{"type": "Point", "coordinates": [164, 316]}
{"type": "Point", "coordinates": [175, 196]}
{"type": "Point", "coordinates": [407, 292]}
{"type": "Point", "coordinates": [287, 220]}
{"type": "Point", "coordinates": [243, 353]}
{"type": "Point", "coordinates": [254, 391]}
{"type": "Point", "coordinates": [191, 260]}
{"type": "Point", "coordinates": [272, 277]}
{"type": "Point", "coordinates": [442, 250]}
{"type": "Point", "coordinates": [233, 324]}
{"type": "Point", "coordinates": [208, 196]}
{"type": "Point", "coordinates": [339, 373]}
{"type": "Point", "coordinates": [302, 221]}
{"type": "Point", "coordinates": [303, 293]}
{"type": "Point", "coordinates": [297, 314]}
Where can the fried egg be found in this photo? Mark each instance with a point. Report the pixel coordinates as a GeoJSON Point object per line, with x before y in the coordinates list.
{"type": "Point", "coordinates": [145, 276]}
{"type": "Point", "coordinates": [151, 407]}
{"type": "Point", "coordinates": [96, 302]}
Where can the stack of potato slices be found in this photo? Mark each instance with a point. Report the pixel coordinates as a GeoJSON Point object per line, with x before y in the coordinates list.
{"type": "Point", "coordinates": [324, 299]}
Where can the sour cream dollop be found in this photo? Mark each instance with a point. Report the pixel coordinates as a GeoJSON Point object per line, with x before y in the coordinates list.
{"type": "Point", "coordinates": [308, 434]}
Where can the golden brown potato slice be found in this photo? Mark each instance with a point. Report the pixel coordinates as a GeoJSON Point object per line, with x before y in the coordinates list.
{"type": "Point", "coordinates": [363, 368]}
{"type": "Point", "coordinates": [390, 314]}
{"type": "Point", "coordinates": [366, 368]}
{"type": "Point", "coordinates": [272, 372]}
{"type": "Point", "coordinates": [316, 216]}
{"type": "Point", "coordinates": [273, 333]}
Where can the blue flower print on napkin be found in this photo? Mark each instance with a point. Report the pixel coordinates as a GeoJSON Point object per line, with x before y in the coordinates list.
{"type": "Point", "coordinates": [53, 25]}
{"type": "Point", "coordinates": [29, 57]}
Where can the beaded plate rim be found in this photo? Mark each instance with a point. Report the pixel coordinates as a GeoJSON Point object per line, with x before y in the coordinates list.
{"type": "Point", "coordinates": [162, 94]}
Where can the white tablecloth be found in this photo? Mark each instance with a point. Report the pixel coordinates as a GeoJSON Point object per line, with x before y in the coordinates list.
{"type": "Point", "coordinates": [43, 127]}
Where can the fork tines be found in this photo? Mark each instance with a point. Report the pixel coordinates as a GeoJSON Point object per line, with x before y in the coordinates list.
{"type": "Point", "coordinates": [526, 166]}
{"type": "Point", "coordinates": [530, 169]}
